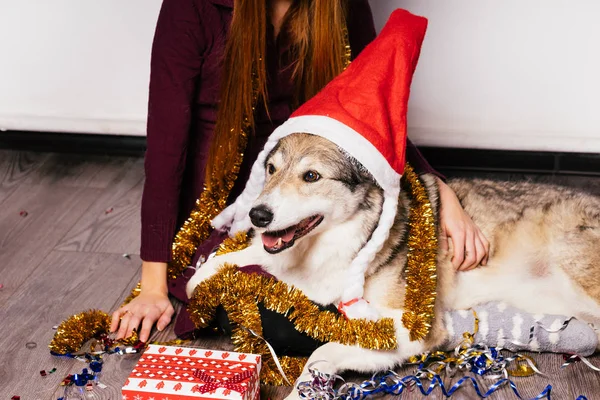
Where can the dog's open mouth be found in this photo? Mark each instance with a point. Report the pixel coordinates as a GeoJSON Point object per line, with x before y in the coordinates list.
{"type": "Point", "coordinates": [276, 241]}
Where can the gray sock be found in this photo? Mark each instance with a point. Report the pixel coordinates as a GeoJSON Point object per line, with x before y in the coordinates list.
{"type": "Point", "coordinates": [501, 325]}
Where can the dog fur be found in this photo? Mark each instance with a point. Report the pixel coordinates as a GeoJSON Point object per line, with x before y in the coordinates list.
{"type": "Point", "coordinates": [543, 257]}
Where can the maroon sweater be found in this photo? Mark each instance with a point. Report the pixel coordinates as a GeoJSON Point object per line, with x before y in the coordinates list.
{"type": "Point", "coordinates": [184, 90]}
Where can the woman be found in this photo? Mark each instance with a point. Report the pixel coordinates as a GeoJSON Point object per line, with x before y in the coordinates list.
{"type": "Point", "coordinates": [208, 82]}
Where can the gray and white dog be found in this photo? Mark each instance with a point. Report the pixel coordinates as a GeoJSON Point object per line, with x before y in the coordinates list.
{"type": "Point", "coordinates": [319, 207]}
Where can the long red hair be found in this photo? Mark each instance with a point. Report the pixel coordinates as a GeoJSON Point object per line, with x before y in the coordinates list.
{"type": "Point", "coordinates": [317, 30]}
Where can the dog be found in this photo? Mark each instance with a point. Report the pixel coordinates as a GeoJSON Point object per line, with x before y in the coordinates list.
{"type": "Point", "coordinates": [319, 206]}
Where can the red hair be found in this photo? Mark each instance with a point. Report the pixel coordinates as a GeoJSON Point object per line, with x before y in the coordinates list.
{"type": "Point", "coordinates": [317, 29]}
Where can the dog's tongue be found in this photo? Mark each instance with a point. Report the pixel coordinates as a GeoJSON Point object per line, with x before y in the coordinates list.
{"type": "Point", "coordinates": [270, 240]}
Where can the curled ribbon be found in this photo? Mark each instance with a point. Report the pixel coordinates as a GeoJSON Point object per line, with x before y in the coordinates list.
{"type": "Point", "coordinates": [572, 358]}
{"type": "Point", "coordinates": [469, 356]}
{"type": "Point", "coordinates": [321, 386]}
{"type": "Point", "coordinates": [211, 383]}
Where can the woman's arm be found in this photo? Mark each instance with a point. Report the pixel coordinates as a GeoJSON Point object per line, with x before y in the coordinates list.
{"type": "Point", "coordinates": [176, 59]}
{"type": "Point", "coordinates": [175, 69]}
{"type": "Point", "coordinates": [418, 162]}
{"type": "Point", "coordinates": [470, 247]}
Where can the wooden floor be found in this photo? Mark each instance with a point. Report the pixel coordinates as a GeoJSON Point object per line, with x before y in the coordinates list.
{"type": "Point", "coordinates": [62, 252]}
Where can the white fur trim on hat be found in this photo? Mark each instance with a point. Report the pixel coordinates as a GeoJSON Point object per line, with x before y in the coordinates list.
{"type": "Point", "coordinates": [351, 141]}
{"type": "Point", "coordinates": [358, 267]}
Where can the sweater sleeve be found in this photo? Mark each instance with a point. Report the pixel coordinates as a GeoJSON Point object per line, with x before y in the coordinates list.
{"type": "Point", "coordinates": [361, 32]}
{"type": "Point", "coordinates": [418, 162]}
{"type": "Point", "coordinates": [177, 51]}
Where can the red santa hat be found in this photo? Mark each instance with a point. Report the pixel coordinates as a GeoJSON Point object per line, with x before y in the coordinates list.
{"type": "Point", "coordinates": [363, 111]}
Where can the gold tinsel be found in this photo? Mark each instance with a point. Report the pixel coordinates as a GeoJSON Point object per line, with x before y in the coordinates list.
{"type": "Point", "coordinates": [347, 56]}
{"type": "Point", "coordinates": [76, 330]}
{"type": "Point", "coordinates": [197, 228]}
{"type": "Point", "coordinates": [240, 241]}
{"type": "Point", "coordinates": [72, 333]}
{"type": "Point", "coordinates": [240, 293]}
{"type": "Point", "coordinates": [421, 272]}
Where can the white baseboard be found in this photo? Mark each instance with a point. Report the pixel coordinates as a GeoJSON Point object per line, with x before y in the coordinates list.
{"type": "Point", "coordinates": [73, 125]}
{"type": "Point", "coordinates": [505, 140]}
{"type": "Point", "coordinates": [433, 137]}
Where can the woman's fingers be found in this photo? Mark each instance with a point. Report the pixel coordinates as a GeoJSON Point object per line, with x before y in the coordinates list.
{"type": "Point", "coordinates": [165, 318]}
{"type": "Point", "coordinates": [479, 252]}
{"type": "Point", "coordinates": [146, 309]}
{"type": "Point", "coordinates": [486, 247]}
{"type": "Point", "coordinates": [131, 321]}
{"type": "Point", "coordinates": [470, 253]}
{"type": "Point", "coordinates": [116, 318]}
{"type": "Point", "coordinates": [124, 323]}
{"type": "Point", "coordinates": [444, 242]}
{"type": "Point", "coordinates": [458, 243]}
{"type": "Point", "coordinates": [134, 323]}
{"type": "Point", "coordinates": [147, 324]}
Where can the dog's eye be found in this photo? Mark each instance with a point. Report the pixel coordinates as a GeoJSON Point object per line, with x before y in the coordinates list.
{"type": "Point", "coordinates": [311, 176]}
{"type": "Point", "coordinates": [270, 169]}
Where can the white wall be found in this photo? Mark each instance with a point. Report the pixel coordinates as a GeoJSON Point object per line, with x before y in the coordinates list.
{"type": "Point", "coordinates": [75, 65]}
{"type": "Point", "coordinates": [511, 74]}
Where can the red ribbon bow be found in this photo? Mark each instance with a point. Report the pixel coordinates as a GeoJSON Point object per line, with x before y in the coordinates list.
{"type": "Point", "coordinates": [210, 383]}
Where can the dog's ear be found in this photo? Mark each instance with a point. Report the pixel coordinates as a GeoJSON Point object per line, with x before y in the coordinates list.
{"type": "Point", "coordinates": [358, 174]}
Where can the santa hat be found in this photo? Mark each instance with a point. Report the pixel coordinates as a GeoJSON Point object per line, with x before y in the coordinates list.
{"type": "Point", "coordinates": [363, 111]}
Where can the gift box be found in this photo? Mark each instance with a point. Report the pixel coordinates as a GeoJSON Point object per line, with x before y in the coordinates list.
{"type": "Point", "coordinates": [171, 372]}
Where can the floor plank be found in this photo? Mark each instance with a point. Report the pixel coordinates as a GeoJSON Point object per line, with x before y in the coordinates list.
{"type": "Point", "coordinates": [112, 224]}
{"type": "Point", "coordinates": [15, 167]}
{"type": "Point", "coordinates": [583, 380]}
{"type": "Point", "coordinates": [68, 284]}
{"type": "Point", "coordinates": [25, 241]}
{"type": "Point", "coordinates": [549, 364]}
{"type": "Point", "coordinates": [74, 170]}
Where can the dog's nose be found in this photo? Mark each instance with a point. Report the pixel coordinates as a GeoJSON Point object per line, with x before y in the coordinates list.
{"type": "Point", "coordinates": [261, 216]}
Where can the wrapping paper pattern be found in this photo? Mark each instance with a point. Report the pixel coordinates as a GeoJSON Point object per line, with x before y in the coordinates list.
{"type": "Point", "coordinates": [167, 373]}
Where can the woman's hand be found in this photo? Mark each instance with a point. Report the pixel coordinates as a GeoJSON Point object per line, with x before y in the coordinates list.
{"type": "Point", "coordinates": [151, 306]}
{"type": "Point", "coordinates": [470, 246]}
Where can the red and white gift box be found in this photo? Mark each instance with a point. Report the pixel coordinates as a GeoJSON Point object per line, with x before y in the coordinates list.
{"type": "Point", "coordinates": [171, 372]}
